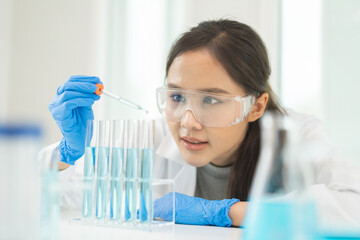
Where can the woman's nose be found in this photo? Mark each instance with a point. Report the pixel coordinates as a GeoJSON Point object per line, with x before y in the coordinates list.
{"type": "Point", "coordinates": [189, 121]}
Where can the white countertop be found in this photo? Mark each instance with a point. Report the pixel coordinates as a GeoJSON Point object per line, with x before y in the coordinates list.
{"type": "Point", "coordinates": [80, 231]}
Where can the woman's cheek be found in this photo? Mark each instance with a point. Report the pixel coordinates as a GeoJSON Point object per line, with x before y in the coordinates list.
{"type": "Point", "coordinates": [225, 141]}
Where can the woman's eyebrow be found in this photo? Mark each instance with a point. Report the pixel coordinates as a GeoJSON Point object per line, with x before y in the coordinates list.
{"type": "Point", "coordinates": [171, 85]}
{"type": "Point", "coordinates": [212, 90]}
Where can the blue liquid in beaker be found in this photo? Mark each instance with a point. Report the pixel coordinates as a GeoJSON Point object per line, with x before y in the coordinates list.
{"type": "Point", "coordinates": [102, 182]}
{"type": "Point", "coordinates": [276, 220]}
{"type": "Point", "coordinates": [147, 163]}
{"type": "Point", "coordinates": [132, 158]}
{"type": "Point", "coordinates": [89, 170]}
{"type": "Point", "coordinates": [116, 184]}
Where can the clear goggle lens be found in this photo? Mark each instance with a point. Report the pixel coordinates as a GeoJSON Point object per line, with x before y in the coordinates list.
{"type": "Point", "coordinates": [211, 110]}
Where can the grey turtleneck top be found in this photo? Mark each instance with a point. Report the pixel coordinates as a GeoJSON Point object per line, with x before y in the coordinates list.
{"type": "Point", "coordinates": [212, 181]}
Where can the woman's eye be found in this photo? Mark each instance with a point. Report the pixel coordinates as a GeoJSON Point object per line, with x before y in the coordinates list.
{"type": "Point", "coordinates": [177, 98]}
{"type": "Point", "coordinates": [211, 100]}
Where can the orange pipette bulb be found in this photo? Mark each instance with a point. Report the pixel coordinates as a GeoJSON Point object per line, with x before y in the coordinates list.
{"type": "Point", "coordinates": [100, 89]}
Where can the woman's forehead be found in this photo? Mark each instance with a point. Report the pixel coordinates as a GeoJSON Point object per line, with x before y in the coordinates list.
{"type": "Point", "coordinates": [199, 70]}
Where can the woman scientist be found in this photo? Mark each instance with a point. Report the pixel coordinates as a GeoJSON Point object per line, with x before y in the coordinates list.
{"type": "Point", "coordinates": [216, 91]}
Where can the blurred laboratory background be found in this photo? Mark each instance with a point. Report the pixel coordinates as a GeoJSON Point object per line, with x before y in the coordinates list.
{"type": "Point", "coordinates": [313, 47]}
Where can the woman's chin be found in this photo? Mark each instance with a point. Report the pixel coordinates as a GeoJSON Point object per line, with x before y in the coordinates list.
{"type": "Point", "coordinates": [196, 161]}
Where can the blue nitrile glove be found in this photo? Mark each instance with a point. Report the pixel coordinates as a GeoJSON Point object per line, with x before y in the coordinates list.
{"type": "Point", "coordinates": [194, 210]}
{"type": "Point", "coordinates": [71, 108]}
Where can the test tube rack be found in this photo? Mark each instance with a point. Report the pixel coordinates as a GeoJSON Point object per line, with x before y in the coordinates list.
{"type": "Point", "coordinates": [118, 188]}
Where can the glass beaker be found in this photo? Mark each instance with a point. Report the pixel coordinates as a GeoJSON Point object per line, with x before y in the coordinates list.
{"type": "Point", "coordinates": [279, 207]}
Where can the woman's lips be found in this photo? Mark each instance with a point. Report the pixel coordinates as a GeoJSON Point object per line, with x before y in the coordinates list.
{"type": "Point", "coordinates": [193, 144]}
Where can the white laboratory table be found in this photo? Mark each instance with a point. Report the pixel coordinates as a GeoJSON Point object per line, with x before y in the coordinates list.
{"type": "Point", "coordinates": [79, 231]}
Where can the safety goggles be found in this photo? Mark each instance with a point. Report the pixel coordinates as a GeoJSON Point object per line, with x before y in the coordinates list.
{"type": "Point", "coordinates": [211, 110]}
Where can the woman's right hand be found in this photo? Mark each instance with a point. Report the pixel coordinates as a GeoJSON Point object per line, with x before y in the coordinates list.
{"type": "Point", "coordinates": [71, 108]}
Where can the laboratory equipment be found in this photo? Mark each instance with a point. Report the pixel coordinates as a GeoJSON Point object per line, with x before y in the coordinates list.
{"type": "Point", "coordinates": [279, 207]}
{"type": "Point", "coordinates": [146, 169]}
{"type": "Point", "coordinates": [100, 90]}
{"type": "Point", "coordinates": [173, 103]}
{"type": "Point", "coordinates": [118, 186]}
{"type": "Point", "coordinates": [116, 172]}
{"type": "Point", "coordinates": [91, 143]}
{"type": "Point", "coordinates": [50, 199]}
{"type": "Point", "coordinates": [102, 169]}
{"type": "Point", "coordinates": [132, 132]}
{"type": "Point", "coordinates": [20, 182]}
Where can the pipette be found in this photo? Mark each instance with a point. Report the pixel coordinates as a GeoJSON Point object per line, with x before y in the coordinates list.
{"type": "Point", "coordinates": [100, 90]}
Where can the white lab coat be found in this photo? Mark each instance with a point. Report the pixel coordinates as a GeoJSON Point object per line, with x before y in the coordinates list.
{"type": "Point", "coordinates": [336, 189]}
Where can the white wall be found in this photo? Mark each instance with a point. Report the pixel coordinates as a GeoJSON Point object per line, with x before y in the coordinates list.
{"type": "Point", "coordinates": [341, 75]}
{"type": "Point", "coordinates": [5, 46]}
{"type": "Point", "coordinates": [50, 40]}
{"type": "Point", "coordinates": [320, 67]}
{"type": "Point", "coordinates": [301, 56]}
{"type": "Point", "coordinates": [136, 52]}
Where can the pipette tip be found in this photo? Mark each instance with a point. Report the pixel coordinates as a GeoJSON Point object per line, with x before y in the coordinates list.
{"type": "Point", "coordinates": [100, 90]}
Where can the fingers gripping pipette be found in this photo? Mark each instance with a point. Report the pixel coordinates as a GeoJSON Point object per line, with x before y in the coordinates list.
{"type": "Point", "coordinates": [100, 90]}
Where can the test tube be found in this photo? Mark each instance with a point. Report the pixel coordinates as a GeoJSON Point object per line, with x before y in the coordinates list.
{"type": "Point", "coordinates": [146, 169]}
{"type": "Point", "coordinates": [91, 142]}
{"type": "Point", "coordinates": [131, 169]}
{"type": "Point", "coordinates": [116, 168]}
{"type": "Point", "coordinates": [102, 169]}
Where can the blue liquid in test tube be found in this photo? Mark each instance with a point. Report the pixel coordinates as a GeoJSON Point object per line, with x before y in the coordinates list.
{"type": "Point", "coordinates": [101, 184]}
{"type": "Point", "coordinates": [147, 162]}
{"type": "Point", "coordinates": [116, 184]}
{"type": "Point", "coordinates": [132, 157]}
{"type": "Point", "coordinates": [89, 163]}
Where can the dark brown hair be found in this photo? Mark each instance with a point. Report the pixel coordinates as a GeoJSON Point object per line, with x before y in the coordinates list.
{"type": "Point", "coordinates": [242, 53]}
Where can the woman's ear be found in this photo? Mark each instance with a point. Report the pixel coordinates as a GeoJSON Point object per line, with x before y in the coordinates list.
{"type": "Point", "coordinates": [258, 108]}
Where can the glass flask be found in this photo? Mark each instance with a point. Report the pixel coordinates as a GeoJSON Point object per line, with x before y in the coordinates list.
{"type": "Point", "coordinates": [279, 206]}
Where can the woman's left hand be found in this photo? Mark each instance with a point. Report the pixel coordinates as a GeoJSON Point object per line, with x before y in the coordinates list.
{"type": "Point", "coordinates": [194, 210]}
